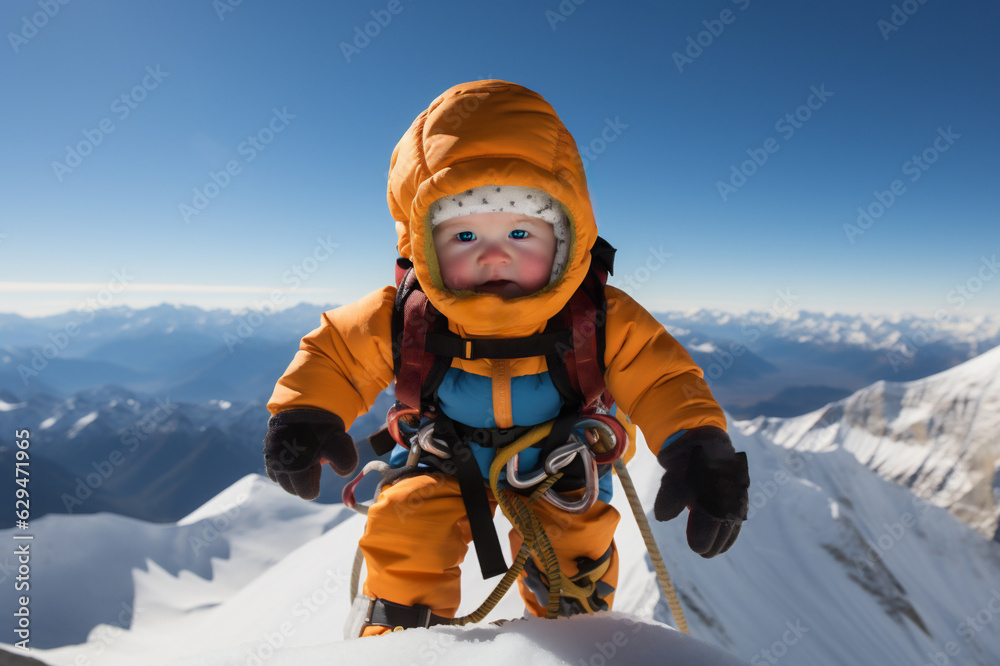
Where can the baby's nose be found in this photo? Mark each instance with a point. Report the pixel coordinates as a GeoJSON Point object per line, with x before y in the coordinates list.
{"type": "Point", "coordinates": [494, 253]}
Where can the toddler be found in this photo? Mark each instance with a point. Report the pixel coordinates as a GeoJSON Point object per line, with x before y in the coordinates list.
{"type": "Point", "coordinates": [497, 238]}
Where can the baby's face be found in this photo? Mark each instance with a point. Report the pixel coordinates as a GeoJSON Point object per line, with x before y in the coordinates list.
{"type": "Point", "coordinates": [507, 254]}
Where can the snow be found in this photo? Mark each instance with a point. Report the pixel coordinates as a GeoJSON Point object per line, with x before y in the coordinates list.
{"type": "Point", "coordinates": [81, 423]}
{"type": "Point", "coordinates": [10, 406]}
{"type": "Point", "coordinates": [935, 435]}
{"type": "Point", "coordinates": [835, 565]}
{"type": "Point", "coordinates": [599, 639]}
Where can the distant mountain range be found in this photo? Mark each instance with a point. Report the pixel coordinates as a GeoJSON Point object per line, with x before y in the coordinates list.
{"type": "Point", "coordinates": [756, 363]}
{"type": "Point", "coordinates": [148, 413]}
{"type": "Point", "coordinates": [154, 459]}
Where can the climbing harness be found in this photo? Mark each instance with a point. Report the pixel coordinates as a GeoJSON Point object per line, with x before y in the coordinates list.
{"type": "Point", "coordinates": [609, 443]}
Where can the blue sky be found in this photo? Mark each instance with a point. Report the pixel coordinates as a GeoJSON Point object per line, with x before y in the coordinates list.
{"type": "Point", "coordinates": [674, 101]}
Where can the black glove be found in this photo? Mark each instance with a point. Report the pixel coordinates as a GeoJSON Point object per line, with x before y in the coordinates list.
{"type": "Point", "coordinates": [299, 442]}
{"type": "Point", "coordinates": [705, 474]}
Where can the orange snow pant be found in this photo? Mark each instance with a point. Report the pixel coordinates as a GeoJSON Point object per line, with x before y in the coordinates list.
{"type": "Point", "coordinates": [418, 533]}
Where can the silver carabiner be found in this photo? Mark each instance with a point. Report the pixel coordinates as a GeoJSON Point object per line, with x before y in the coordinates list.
{"type": "Point", "coordinates": [583, 504]}
{"type": "Point", "coordinates": [426, 441]}
{"type": "Point", "coordinates": [519, 483]}
{"type": "Point", "coordinates": [557, 459]}
{"type": "Point", "coordinates": [562, 456]}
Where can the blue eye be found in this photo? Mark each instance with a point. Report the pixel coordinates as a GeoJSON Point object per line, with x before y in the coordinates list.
{"type": "Point", "coordinates": [519, 234]}
{"type": "Point", "coordinates": [465, 236]}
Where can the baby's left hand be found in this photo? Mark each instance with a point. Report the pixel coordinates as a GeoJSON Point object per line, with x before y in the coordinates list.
{"type": "Point", "coordinates": [707, 475]}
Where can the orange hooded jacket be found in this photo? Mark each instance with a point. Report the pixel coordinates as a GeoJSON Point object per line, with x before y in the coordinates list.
{"type": "Point", "coordinates": [479, 133]}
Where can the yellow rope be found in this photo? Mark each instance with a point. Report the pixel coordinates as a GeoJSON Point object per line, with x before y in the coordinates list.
{"type": "Point", "coordinates": [515, 570]}
{"type": "Point", "coordinates": [654, 551]}
{"type": "Point", "coordinates": [520, 515]}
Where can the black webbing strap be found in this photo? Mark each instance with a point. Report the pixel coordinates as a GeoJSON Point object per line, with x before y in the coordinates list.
{"type": "Point", "coordinates": [381, 441]}
{"type": "Point", "coordinates": [382, 613]}
{"type": "Point", "coordinates": [454, 346]}
{"type": "Point", "coordinates": [491, 438]}
{"type": "Point", "coordinates": [464, 467]}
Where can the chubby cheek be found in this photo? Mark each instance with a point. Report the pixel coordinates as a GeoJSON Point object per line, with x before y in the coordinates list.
{"type": "Point", "coordinates": [457, 270]}
{"type": "Point", "coordinates": [534, 270]}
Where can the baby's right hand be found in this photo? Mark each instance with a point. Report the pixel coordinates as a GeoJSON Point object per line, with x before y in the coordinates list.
{"type": "Point", "coordinates": [299, 442]}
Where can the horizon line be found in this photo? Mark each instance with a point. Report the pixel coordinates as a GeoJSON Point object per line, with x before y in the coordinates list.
{"type": "Point", "coordinates": [971, 315]}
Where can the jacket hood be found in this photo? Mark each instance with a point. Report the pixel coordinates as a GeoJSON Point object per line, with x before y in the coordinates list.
{"type": "Point", "coordinates": [482, 133]}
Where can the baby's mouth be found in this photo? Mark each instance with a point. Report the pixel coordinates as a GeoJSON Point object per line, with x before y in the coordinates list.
{"type": "Point", "coordinates": [494, 286]}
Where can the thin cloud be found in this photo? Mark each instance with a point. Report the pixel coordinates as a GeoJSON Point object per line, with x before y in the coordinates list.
{"type": "Point", "coordinates": [23, 287]}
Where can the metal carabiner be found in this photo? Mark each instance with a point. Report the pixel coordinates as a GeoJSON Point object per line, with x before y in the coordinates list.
{"type": "Point", "coordinates": [560, 457]}
{"type": "Point", "coordinates": [611, 431]}
{"type": "Point", "coordinates": [583, 504]}
{"type": "Point", "coordinates": [426, 440]}
{"type": "Point", "coordinates": [392, 417]}
{"type": "Point", "coordinates": [523, 484]}
{"type": "Point", "coordinates": [347, 494]}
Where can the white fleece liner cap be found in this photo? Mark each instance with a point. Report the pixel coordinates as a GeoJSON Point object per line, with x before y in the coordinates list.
{"type": "Point", "coordinates": [509, 199]}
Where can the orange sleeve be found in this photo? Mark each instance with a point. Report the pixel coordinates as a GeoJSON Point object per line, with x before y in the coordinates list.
{"type": "Point", "coordinates": [651, 376]}
{"type": "Point", "coordinates": [343, 365]}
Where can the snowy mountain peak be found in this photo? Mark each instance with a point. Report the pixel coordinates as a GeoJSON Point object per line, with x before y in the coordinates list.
{"type": "Point", "coordinates": [937, 436]}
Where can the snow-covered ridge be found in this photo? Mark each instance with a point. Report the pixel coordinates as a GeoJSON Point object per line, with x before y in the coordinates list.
{"type": "Point", "coordinates": [834, 566]}
{"type": "Point", "coordinates": [939, 436]}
